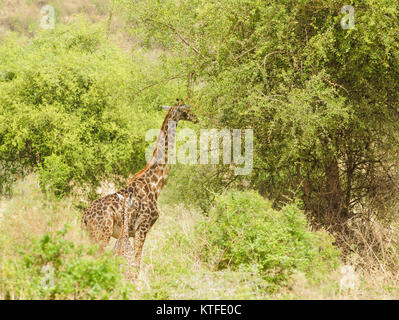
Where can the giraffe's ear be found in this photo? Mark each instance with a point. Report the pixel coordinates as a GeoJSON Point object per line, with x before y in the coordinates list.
{"type": "Point", "coordinates": [166, 108]}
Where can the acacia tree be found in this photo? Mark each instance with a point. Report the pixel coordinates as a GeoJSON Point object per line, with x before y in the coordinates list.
{"type": "Point", "coordinates": [322, 99]}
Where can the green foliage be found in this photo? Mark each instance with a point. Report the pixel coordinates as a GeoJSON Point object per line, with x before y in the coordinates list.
{"type": "Point", "coordinates": [322, 100]}
{"type": "Point", "coordinates": [76, 109]}
{"type": "Point", "coordinates": [193, 185]}
{"type": "Point", "coordinates": [56, 174]}
{"type": "Point", "coordinates": [244, 231]}
{"type": "Point", "coordinates": [52, 267]}
{"type": "Point", "coordinates": [64, 111]}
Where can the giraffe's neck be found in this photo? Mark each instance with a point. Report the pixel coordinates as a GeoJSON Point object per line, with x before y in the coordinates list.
{"type": "Point", "coordinates": [157, 168]}
{"type": "Point", "coordinates": [159, 164]}
{"type": "Point", "coordinates": [165, 143]}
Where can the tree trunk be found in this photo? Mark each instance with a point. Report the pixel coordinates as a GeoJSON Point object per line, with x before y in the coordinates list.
{"type": "Point", "coordinates": [334, 208]}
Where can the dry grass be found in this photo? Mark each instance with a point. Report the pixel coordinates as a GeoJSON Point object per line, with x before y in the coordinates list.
{"type": "Point", "coordinates": [171, 266]}
{"type": "Point", "coordinates": [29, 213]}
{"type": "Point", "coordinates": [372, 249]}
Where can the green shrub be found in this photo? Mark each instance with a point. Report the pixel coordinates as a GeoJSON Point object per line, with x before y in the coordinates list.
{"type": "Point", "coordinates": [75, 110]}
{"type": "Point", "coordinates": [243, 231]}
{"type": "Point", "coordinates": [193, 185]}
{"type": "Point", "coordinates": [66, 116]}
{"type": "Point", "coordinates": [52, 267]}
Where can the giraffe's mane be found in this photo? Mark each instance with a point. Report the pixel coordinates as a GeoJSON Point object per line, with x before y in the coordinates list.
{"type": "Point", "coordinates": [142, 171]}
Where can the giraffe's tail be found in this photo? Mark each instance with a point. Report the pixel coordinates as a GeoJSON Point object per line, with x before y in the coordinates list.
{"type": "Point", "coordinates": [84, 221]}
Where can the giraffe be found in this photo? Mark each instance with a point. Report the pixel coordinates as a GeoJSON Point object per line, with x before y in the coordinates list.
{"type": "Point", "coordinates": [103, 218]}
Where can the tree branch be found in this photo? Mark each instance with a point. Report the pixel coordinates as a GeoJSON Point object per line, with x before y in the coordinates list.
{"type": "Point", "coordinates": [174, 30]}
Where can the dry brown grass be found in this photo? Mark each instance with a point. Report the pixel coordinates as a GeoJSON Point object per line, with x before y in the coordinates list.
{"type": "Point", "coordinates": [31, 214]}
{"type": "Point", "coordinates": [372, 249]}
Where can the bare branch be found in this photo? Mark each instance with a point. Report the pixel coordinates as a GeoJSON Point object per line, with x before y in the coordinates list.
{"type": "Point", "coordinates": [158, 82]}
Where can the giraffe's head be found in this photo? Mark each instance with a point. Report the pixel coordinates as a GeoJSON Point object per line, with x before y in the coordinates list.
{"type": "Point", "coordinates": [181, 111]}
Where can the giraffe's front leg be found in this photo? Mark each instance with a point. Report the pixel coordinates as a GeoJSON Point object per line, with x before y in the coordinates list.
{"type": "Point", "coordinates": [139, 239]}
{"type": "Point", "coordinates": [143, 225]}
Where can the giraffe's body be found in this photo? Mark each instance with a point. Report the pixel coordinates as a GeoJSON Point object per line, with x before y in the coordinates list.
{"type": "Point", "coordinates": [103, 218]}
